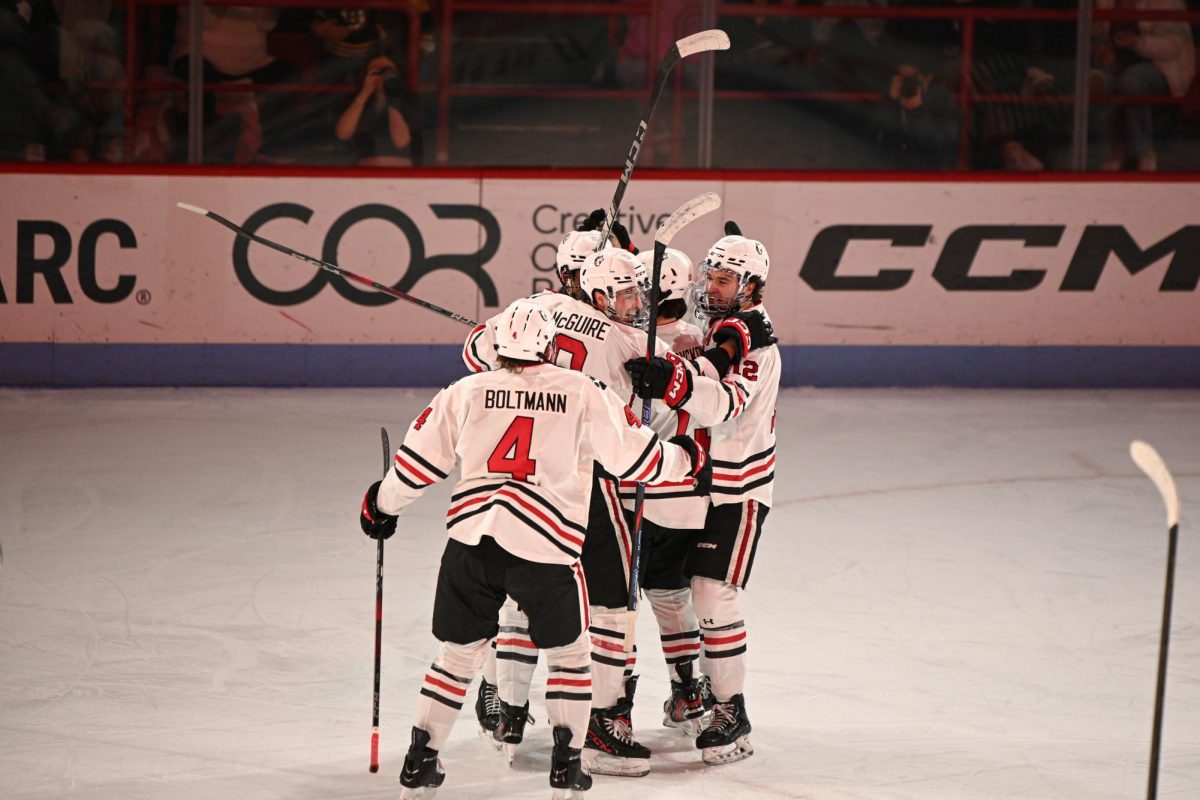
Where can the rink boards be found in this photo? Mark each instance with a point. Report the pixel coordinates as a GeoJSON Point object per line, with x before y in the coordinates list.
{"type": "Point", "coordinates": [104, 281]}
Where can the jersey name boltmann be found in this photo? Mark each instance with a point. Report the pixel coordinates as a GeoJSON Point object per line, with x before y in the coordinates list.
{"type": "Point", "coordinates": [522, 400]}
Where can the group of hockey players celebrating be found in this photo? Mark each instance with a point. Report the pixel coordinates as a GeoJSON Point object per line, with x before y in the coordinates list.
{"type": "Point", "coordinates": [542, 520]}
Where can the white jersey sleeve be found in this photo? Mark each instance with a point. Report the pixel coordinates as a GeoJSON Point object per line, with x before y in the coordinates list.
{"type": "Point", "coordinates": [743, 446]}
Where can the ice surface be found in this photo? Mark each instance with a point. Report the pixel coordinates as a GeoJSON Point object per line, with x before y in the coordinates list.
{"type": "Point", "coordinates": [958, 596]}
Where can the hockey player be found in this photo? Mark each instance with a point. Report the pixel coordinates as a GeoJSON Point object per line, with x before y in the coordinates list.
{"type": "Point", "coordinates": [597, 335]}
{"type": "Point", "coordinates": [672, 513]}
{"type": "Point", "coordinates": [526, 436]}
{"type": "Point", "coordinates": [742, 429]}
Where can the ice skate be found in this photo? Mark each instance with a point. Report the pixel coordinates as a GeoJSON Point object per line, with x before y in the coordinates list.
{"type": "Point", "coordinates": [422, 772]}
{"type": "Point", "coordinates": [685, 707]}
{"type": "Point", "coordinates": [511, 731]}
{"type": "Point", "coordinates": [727, 737]}
{"type": "Point", "coordinates": [568, 776]}
{"type": "Point", "coordinates": [610, 748]}
{"type": "Point", "coordinates": [487, 711]}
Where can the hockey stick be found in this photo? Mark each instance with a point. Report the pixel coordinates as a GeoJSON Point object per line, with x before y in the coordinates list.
{"type": "Point", "coordinates": [387, 463]}
{"type": "Point", "coordinates": [680, 218]}
{"type": "Point", "coordinates": [1151, 463]}
{"type": "Point", "coordinates": [713, 39]}
{"type": "Point", "coordinates": [325, 265]}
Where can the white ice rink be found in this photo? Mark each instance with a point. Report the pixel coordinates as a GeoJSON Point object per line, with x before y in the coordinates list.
{"type": "Point", "coordinates": [958, 595]}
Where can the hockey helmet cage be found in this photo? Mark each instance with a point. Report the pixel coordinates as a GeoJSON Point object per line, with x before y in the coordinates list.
{"type": "Point", "coordinates": [613, 272]}
{"type": "Point", "coordinates": [744, 258]}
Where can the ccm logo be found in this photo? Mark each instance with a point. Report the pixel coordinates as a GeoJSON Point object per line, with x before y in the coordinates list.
{"type": "Point", "coordinates": [953, 268]}
{"type": "Point", "coordinates": [706, 545]}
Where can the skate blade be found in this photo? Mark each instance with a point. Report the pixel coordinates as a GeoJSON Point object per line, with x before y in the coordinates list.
{"type": "Point", "coordinates": [687, 727]}
{"type": "Point", "coordinates": [566, 794]}
{"type": "Point", "coordinates": [599, 763]}
{"type": "Point", "coordinates": [510, 753]}
{"type": "Point", "coordinates": [422, 793]}
{"type": "Point", "coordinates": [487, 736]}
{"type": "Point", "coordinates": [737, 751]}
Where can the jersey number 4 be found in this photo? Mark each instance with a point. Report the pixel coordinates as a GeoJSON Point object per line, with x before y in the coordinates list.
{"type": "Point", "coordinates": [512, 453]}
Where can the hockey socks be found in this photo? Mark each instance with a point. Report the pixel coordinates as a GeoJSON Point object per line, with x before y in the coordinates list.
{"type": "Point", "coordinates": [444, 689]}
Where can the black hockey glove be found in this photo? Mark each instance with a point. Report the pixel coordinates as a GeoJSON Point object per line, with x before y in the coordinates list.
{"type": "Point", "coordinates": [665, 379]}
{"type": "Point", "coordinates": [702, 470]}
{"type": "Point", "coordinates": [595, 222]}
{"type": "Point", "coordinates": [732, 229]}
{"type": "Point", "coordinates": [375, 523]}
{"type": "Point", "coordinates": [747, 330]}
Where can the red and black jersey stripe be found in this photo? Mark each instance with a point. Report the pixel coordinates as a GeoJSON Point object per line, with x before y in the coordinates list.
{"type": "Point", "coordinates": [736, 477]}
{"type": "Point", "coordinates": [415, 471]}
{"type": "Point", "coordinates": [471, 351]}
{"type": "Point", "coordinates": [526, 505]}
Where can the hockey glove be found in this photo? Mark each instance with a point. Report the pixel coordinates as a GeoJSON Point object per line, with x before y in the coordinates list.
{"type": "Point", "coordinates": [701, 464]}
{"type": "Point", "coordinates": [595, 222]}
{"type": "Point", "coordinates": [746, 330]}
{"type": "Point", "coordinates": [665, 379]}
{"type": "Point", "coordinates": [375, 523]}
{"type": "Point", "coordinates": [732, 229]}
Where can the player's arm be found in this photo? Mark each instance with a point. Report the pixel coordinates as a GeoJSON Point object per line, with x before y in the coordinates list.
{"type": "Point", "coordinates": [479, 350]}
{"type": "Point", "coordinates": [632, 452]}
{"type": "Point", "coordinates": [732, 338]}
{"type": "Point", "coordinates": [426, 457]}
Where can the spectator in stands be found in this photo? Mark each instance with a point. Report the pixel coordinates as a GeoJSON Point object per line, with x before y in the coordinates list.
{"type": "Point", "coordinates": [1150, 58]}
{"type": "Point", "coordinates": [235, 52]}
{"type": "Point", "coordinates": [918, 123]}
{"type": "Point", "coordinates": [28, 61]}
{"type": "Point", "coordinates": [87, 120]}
{"type": "Point", "coordinates": [376, 123]}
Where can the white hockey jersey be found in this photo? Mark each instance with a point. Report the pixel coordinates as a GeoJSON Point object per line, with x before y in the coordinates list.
{"type": "Point", "coordinates": [674, 506]}
{"type": "Point", "coordinates": [526, 443]}
{"type": "Point", "coordinates": [741, 423]}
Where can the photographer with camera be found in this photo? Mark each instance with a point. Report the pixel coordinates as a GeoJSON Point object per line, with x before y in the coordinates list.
{"type": "Point", "coordinates": [376, 123]}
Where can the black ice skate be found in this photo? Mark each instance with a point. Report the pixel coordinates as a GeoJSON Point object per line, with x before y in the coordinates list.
{"type": "Point", "coordinates": [422, 772]}
{"type": "Point", "coordinates": [610, 748]}
{"type": "Point", "coordinates": [487, 711]}
{"type": "Point", "coordinates": [568, 777]}
{"type": "Point", "coordinates": [511, 730]}
{"type": "Point", "coordinates": [727, 737]}
{"type": "Point", "coordinates": [685, 706]}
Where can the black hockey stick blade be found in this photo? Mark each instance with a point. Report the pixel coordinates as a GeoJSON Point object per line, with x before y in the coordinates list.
{"type": "Point", "coordinates": [325, 265]}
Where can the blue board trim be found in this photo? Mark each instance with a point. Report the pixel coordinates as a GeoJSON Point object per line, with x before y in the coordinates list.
{"type": "Point", "coordinates": [83, 365]}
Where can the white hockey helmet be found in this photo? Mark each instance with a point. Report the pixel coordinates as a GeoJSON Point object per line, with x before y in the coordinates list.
{"type": "Point", "coordinates": [524, 330]}
{"type": "Point", "coordinates": [619, 276]}
{"type": "Point", "coordinates": [676, 275]}
{"type": "Point", "coordinates": [573, 252]}
{"type": "Point", "coordinates": [744, 258]}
